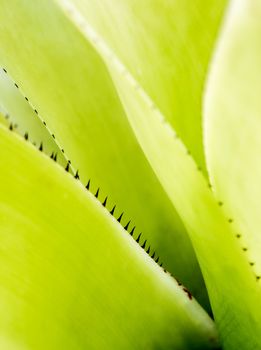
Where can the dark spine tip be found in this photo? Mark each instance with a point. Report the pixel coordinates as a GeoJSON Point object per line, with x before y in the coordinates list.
{"type": "Point", "coordinates": [153, 255]}
{"type": "Point", "coordinates": [127, 226]}
{"type": "Point", "coordinates": [138, 238]}
{"type": "Point", "coordinates": [44, 123]}
{"type": "Point", "coordinates": [157, 260]}
{"type": "Point", "coordinates": [188, 293]}
{"type": "Point", "coordinates": [41, 147]}
{"type": "Point", "coordinates": [11, 127]}
{"type": "Point", "coordinates": [55, 157]}
{"type": "Point", "coordinates": [76, 176]}
{"type": "Point", "coordinates": [144, 244]}
{"type": "Point", "coordinates": [88, 185]}
{"type": "Point", "coordinates": [53, 136]}
{"type": "Point", "coordinates": [160, 264]}
{"type": "Point", "coordinates": [35, 111]}
{"type": "Point", "coordinates": [26, 136]}
{"type": "Point", "coordinates": [148, 250]}
{"type": "Point", "coordinates": [16, 86]}
{"type": "Point", "coordinates": [52, 155]}
{"type": "Point", "coordinates": [4, 70]}
{"type": "Point", "coordinates": [132, 231]}
{"type": "Point", "coordinates": [26, 98]}
{"type": "Point", "coordinates": [113, 209]}
{"type": "Point", "coordinates": [120, 217]}
{"type": "Point", "coordinates": [67, 167]}
{"type": "Point", "coordinates": [105, 201]}
{"type": "Point", "coordinates": [97, 193]}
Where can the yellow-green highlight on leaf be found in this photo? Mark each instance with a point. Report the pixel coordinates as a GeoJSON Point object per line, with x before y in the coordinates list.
{"type": "Point", "coordinates": [233, 123]}
{"type": "Point", "coordinates": [68, 84]}
{"type": "Point", "coordinates": [234, 293]}
{"type": "Point", "coordinates": [70, 275]}
{"type": "Point", "coordinates": [24, 119]}
{"type": "Point", "coordinates": [166, 45]}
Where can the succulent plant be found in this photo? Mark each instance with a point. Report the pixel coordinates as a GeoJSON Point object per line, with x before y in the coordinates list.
{"type": "Point", "coordinates": [129, 184]}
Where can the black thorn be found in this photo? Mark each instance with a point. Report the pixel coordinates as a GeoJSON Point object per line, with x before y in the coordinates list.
{"type": "Point", "coordinates": [157, 260]}
{"type": "Point", "coordinates": [119, 218]}
{"type": "Point", "coordinates": [41, 147]}
{"type": "Point", "coordinates": [67, 167]}
{"type": "Point", "coordinates": [62, 150]}
{"type": "Point", "coordinates": [148, 250]}
{"type": "Point", "coordinates": [26, 136]}
{"type": "Point", "coordinates": [44, 123]}
{"type": "Point", "coordinates": [55, 157]}
{"type": "Point", "coordinates": [11, 126]}
{"type": "Point", "coordinates": [36, 111]}
{"type": "Point", "coordinates": [4, 70]}
{"type": "Point", "coordinates": [88, 185]}
{"type": "Point", "coordinates": [160, 264]}
{"type": "Point", "coordinates": [112, 211]}
{"type": "Point", "coordinates": [97, 192]}
{"type": "Point", "coordinates": [16, 85]}
{"type": "Point", "coordinates": [52, 155]}
{"type": "Point", "coordinates": [26, 98]}
{"type": "Point", "coordinates": [138, 238]}
{"type": "Point", "coordinates": [144, 244]}
{"type": "Point", "coordinates": [153, 255]}
{"type": "Point", "coordinates": [53, 136]}
{"type": "Point", "coordinates": [105, 201]}
{"type": "Point", "coordinates": [127, 226]}
{"type": "Point", "coordinates": [132, 231]}
{"type": "Point", "coordinates": [76, 176]}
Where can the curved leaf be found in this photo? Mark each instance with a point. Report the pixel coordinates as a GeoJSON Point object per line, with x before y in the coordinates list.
{"type": "Point", "coordinates": [25, 119]}
{"type": "Point", "coordinates": [231, 282]}
{"type": "Point", "coordinates": [233, 124]}
{"type": "Point", "coordinates": [67, 83]}
{"type": "Point", "coordinates": [166, 46]}
{"type": "Point", "coordinates": [71, 277]}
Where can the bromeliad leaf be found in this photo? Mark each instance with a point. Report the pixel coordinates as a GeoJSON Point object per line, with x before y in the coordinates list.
{"type": "Point", "coordinates": [229, 277]}
{"type": "Point", "coordinates": [69, 86]}
{"type": "Point", "coordinates": [71, 278]}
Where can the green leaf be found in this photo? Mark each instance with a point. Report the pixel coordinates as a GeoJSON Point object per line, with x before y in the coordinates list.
{"type": "Point", "coordinates": [68, 84]}
{"type": "Point", "coordinates": [232, 124]}
{"type": "Point", "coordinates": [231, 282]}
{"type": "Point", "coordinates": [166, 46]}
{"type": "Point", "coordinates": [24, 119]}
{"type": "Point", "coordinates": [71, 277]}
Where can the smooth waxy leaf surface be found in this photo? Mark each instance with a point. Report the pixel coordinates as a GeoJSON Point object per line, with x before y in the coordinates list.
{"type": "Point", "coordinates": [233, 122]}
{"type": "Point", "coordinates": [166, 45]}
{"type": "Point", "coordinates": [70, 275]}
{"type": "Point", "coordinates": [23, 118]}
{"type": "Point", "coordinates": [231, 281]}
{"type": "Point", "coordinates": [68, 84]}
